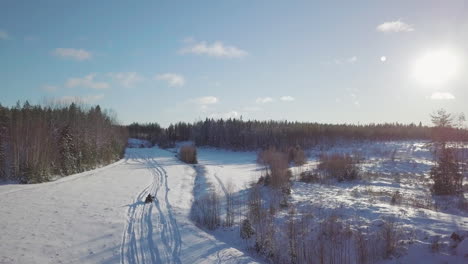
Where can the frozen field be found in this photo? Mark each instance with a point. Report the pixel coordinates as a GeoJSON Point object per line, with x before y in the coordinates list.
{"type": "Point", "coordinates": [99, 216]}
{"type": "Point", "coordinates": [390, 169]}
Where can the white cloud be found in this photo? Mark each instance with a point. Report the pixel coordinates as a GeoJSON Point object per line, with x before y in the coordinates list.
{"type": "Point", "coordinates": [87, 81]}
{"type": "Point", "coordinates": [49, 88]}
{"type": "Point", "coordinates": [352, 59]}
{"type": "Point", "coordinates": [80, 99]}
{"type": "Point", "coordinates": [264, 100]}
{"type": "Point", "coordinates": [395, 26]}
{"type": "Point", "coordinates": [172, 79]}
{"type": "Point", "coordinates": [342, 61]}
{"type": "Point", "coordinates": [355, 100]}
{"type": "Point", "coordinates": [126, 79]}
{"type": "Point", "coordinates": [217, 49]}
{"type": "Point", "coordinates": [287, 98]}
{"type": "Point", "coordinates": [442, 96]}
{"type": "Point", "coordinates": [76, 54]}
{"type": "Point", "coordinates": [205, 100]}
{"type": "Point", "coordinates": [4, 35]}
{"type": "Point", "coordinates": [226, 115]}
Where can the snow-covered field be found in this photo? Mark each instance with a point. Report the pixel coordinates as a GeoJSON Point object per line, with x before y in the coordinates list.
{"type": "Point", "coordinates": [99, 216]}
{"type": "Point", "coordinates": [421, 221]}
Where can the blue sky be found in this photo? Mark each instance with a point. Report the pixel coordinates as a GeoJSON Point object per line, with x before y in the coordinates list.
{"type": "Point", "coordinates": [169, 61]}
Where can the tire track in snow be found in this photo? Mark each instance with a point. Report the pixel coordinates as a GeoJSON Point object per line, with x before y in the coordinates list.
{"type": "Point", "coordinates": [170, 228]}
{"type": "Point", "coordinates": [221, 184]}
{"type": "Point", "coordinates": [137, 240]}
{"type": "Point", "coordinates": [138, 246]}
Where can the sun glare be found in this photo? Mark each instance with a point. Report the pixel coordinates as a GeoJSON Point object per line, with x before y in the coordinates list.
{"type": "Point", "coordinates": [436, 67]}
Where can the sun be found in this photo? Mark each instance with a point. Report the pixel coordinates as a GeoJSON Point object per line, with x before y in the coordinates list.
{"type": "Point", "coordinates": [436, 67]}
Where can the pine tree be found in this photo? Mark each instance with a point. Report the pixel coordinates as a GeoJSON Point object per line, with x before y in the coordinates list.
{"type": "Point", "coordinates": [3, 142]}
{"type": "Point", "coordinates": [67, 151]}
{"type": "Point", "coordinates": [446, 173]}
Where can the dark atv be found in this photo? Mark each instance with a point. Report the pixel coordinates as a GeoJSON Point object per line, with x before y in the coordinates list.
{"type": "Point", "coordinates": [149, 198]}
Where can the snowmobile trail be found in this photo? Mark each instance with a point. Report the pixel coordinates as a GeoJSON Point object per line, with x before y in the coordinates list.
{"type": "Point", "coordinates": [173, 228]}
{"type": "Point", "coordinates": [145, 224]}
{"type": "Point", "coordinates": [137, 241]}
{"type": "Point", "coordinates": [100, 217]}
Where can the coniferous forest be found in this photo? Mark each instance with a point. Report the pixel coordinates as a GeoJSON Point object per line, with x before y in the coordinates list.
{"type": "Point", "coordinates": [237, 134]}
{"type": "Point", "coordinates": [37, 142]}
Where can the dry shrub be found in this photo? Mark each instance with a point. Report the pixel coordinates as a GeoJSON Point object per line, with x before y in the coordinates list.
{"type": "Point", "coordinates": [297, 155]}
{"type": "Point", "coordinates": [206, 211]}
{"type": "Point", "coordinates": [396, 198]}
{"type": "Point", "coordinates": [390, 234]}
{"type": "Point", "coordinates": [230, 209]}
{"type": "Point", "coordinates": [435, 245]}
{"type": "Point", "coordinates": [255, 204]}
{"type": "Point", "coordinates": [368, 176]}
{"type": "Point", "coordinates": [362, 246]}
{"type": "Point", "coordinates": [278, 174]}
{"type": "Point", "coordinates": [265, 242]}
{"type": "Point", "coordinates": [188, 154]}
{"type": "Point", "coordinates": [462, 204]}
{"type": "Point", "coordinates": [421, 202]}
{"type": "Point", "coordinates": [339, 166]}
{"type": "Point", "coordinates": [310, 177]}
{"type": "Point", "coordinates": [335, 241]}
{"type": "Point", "coordinates": [246, 230]}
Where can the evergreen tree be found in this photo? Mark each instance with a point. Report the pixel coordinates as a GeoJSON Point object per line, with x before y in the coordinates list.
{"type": "Point", "coordinates": [37, 141]}
{"type": "Point", "coordinates": [68, 152]}
{"type": "Point", "coordinates": [447, 173]}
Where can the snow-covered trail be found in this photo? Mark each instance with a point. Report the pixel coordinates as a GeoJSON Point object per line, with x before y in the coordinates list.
{"type": "Point", "coordinates": [161, 232]}
{"type": "Point", "coordinates": [138, 243]}
{"type": "Point", "coordinates": [100, 217]}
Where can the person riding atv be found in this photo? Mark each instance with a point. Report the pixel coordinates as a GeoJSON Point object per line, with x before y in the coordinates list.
{"type": "Point", "coordinates": [149, 198]}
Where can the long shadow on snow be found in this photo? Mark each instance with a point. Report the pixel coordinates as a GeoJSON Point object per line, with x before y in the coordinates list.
{"type": "Point", "coordinates": [201, 188]}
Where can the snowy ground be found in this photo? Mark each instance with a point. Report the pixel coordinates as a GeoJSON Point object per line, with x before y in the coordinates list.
{"type": "Point", "coordinates": [402, 166]}
{"type": "Point", "coordinates": [99, 217]}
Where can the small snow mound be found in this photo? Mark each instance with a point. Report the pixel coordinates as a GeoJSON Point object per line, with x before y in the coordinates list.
{"type": "Point", "coordinates": [462, 248]}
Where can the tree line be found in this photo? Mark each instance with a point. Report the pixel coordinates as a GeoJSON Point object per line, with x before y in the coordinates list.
{"type": "Point", "coordinates": [250, 135]}
{"type": "Point", "coordinates": [38, 142]}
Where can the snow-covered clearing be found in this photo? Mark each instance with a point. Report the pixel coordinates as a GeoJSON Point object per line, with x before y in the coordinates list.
{"type": "Point", "coordinates": [229, 169]}
{"type": "Point", "coordinates": [99, 217]}
{"type": "Point", "coordinates": [421, 221]}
